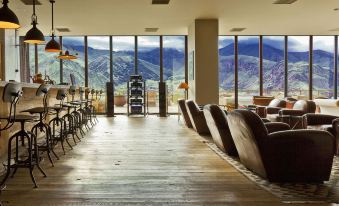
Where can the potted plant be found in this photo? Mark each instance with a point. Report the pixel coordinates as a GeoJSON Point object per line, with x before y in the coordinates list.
{"type": "Point", "coordinates": [120, 99]}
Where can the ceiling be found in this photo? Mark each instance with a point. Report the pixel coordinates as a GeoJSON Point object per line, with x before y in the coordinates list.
{"type": "Point", "coordinates": [131, 17]}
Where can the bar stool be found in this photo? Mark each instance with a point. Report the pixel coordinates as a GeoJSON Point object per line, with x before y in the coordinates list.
{"type": "Point", "coordinates": [71, 120]}
{"type": "Point", "coordinates": [58, 124]}
{"type": "Point", "coordinates": [11, 94]}
{"type": "Point", "coordinates": [41, 126]}
{"type": "Point", "coordinates": [76, 114]}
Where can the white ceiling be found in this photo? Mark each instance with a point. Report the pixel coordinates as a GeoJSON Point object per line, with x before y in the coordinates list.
{"type": "Point", "coordinates": [128, 17]}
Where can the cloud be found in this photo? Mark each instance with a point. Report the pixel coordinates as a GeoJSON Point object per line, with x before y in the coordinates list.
{"type": "Point", "coordinates": [98, 42]}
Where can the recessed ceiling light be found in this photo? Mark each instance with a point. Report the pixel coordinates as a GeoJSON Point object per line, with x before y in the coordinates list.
{"type": "Point", "coordinates": [237, 29]}
{"type": "Point", "coordinates": [30, 2]}
{"type": "Point", "coordinates": [160, 1]}
{"type": "Point", "coordinates": [285, 1]}
{"type": "Point", "coordinates": [336, 29]}
{"type": "Point", "coordinates": [63, 29]}
{"type": "Point", "coordinates": [151, 29]}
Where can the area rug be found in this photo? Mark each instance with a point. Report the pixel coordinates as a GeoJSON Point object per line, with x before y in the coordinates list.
{"type": "Point", "coordinates": [327, 192]}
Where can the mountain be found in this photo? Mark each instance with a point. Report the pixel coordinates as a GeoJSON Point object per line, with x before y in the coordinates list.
{"type": "Point", "coordinates": [323, 73]}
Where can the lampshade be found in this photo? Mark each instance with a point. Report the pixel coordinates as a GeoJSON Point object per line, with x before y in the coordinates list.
{"type": "Point", "coordinates": [52, 46]}
{"type": "Point", "coordinates": [34, 35]}
{"type": "Point", "coordinates": [8, 19]}
{"type": "Point", "coordinates": [183, 85]}
{"type": "Point", "coordinates": [67, 56]}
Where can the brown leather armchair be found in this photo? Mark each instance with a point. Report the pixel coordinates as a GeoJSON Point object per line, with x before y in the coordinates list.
{"type": "Point", "coordinates": [217, 124]}
{"type": "Point", "coordinates": [182, 106]}
{"type": "Point", "coordinates": [300, 108]}
{"type": "Point", "coordinates": [324, 122]}
{"type": "Point", "coordinates": [273, 108]}
{"type": "Point", "coordinates": [197, 117]}
{"type": "Point", "coordinates": [285, 156]}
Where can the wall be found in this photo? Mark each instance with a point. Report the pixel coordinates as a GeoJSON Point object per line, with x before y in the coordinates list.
{"type": "Point", "coordinates": [11, 57]}
{"type": "Point", "coordinates": [203, 40]}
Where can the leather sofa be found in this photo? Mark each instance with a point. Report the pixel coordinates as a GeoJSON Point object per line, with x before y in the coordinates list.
{"type": "Point", "coordinates": [197, 117]}
{"type": "Point", "coordinates": [284, 156]}
{"type": "Point", "coordinates": [217, 124]}
{"type": "Point", "coordinates": [273, 108]}
{"type": "Point", "coordinates": [182, 106]}
{"type": "Point", "coordinates": [324, 122]}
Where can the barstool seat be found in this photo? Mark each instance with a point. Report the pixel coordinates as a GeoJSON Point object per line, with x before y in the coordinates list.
{"type": "Point", "coordinates": [35, 110]}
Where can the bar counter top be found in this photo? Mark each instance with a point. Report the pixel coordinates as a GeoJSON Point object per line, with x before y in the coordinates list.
{"type": "Point", "coordinates": [33, 85]}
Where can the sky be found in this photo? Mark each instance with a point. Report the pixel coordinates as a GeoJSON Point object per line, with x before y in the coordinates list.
{"type": "Point", "coordinates": [123, 43]}
{"type": "Point", "coordinates": [295, 43]}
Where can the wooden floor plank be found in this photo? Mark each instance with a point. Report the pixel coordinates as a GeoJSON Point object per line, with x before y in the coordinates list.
{"type": "Point", "coordinates": [138, 161]}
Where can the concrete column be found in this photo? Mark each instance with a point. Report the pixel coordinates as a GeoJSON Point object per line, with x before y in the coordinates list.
{"type": "Point", "coordinates": [203, 45]}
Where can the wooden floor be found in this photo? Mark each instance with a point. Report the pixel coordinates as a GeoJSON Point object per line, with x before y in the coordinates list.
{"type": "Point", "coordinates": [137, 161]}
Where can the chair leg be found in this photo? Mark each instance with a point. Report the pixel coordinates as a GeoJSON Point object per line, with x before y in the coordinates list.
{"type": "Point", "coordinates": [36, 151]}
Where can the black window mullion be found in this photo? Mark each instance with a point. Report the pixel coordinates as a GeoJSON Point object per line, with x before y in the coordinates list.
{"type": "Point", "coordinates": [335, 67]}
{"type": "Point", "coordinates": [236, 100]}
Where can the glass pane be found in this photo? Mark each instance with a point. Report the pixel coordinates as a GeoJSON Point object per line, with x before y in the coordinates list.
{"type": "Point", "coordinates": [174, 69]}
{"type": "Point", "coordinates": [274, 66]}
{"type": "Point", "coordinates": [298, 67]}
{"type": "Point", "coordinates": [149, 68]}
{"type": "Point", "coordinates": [49, 64]}
{"type": "Point", "coordinates": [76, 46]}
{"type": "Point", "coordinates": [248, 70]}
{"type": "Point", "coordinates": [123, 67]}
{"type": "Point", "coordinates": [98, 66]}
{"type": "Point", "coordinates": [226, 71]}
{"type": "Point", "coordinates": [31, 60]}
{"type": "Point", "coordinates": [323, 69]}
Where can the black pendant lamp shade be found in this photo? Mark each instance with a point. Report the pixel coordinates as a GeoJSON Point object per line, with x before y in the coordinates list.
{"type": "Point", "coordinates": [8, 19]}
{"type": "Point", "coordinates": [52, 45]}
{"type": "Point", "coordinates": [34, 35]}
{"type": "Point", "coordinates": [67, 56]}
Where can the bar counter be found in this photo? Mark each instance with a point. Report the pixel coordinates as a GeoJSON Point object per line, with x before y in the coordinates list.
{"type": "Point", "coordinates": [27, 101]}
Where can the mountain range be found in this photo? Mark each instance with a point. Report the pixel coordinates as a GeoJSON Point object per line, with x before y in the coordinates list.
{"type": "Point", "coordinates": [148, 66]}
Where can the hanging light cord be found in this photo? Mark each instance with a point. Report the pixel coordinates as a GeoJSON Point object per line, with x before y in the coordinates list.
{"type": "Point", "coordinates": [34, 17]}
{"type": "Point", "coordinates": [52, 2]}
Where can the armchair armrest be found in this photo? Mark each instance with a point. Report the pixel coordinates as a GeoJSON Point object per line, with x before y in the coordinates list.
{"type": "Point", "coordinates": [261, 111]}
{"type": "Point", "coordinates": [273, 110]}
{"type": "Point", "coordinates": [292, 112]}
{"type": "Point", "coordinates": [317, 119]}
{"type": "Point", "coordinates": [298, 152]}
{"type": "Point", "coordinates": [276, 127]}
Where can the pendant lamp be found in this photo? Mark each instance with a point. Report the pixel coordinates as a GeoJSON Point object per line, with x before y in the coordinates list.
{"type": "Point", "coordinates": [52, 45]}
{"type": "Point", "coordinates": [34, 35]}
{"type": "Point", "coordinates": [67, 56]}
{"type": "Point", "coordinates": [8, 19]}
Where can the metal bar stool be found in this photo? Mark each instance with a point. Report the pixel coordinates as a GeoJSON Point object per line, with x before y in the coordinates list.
{"type": "Point", "coordinates": [11, 94]}
{"type": "Point", "coordinates": [71, 120]}
{"type": "Point", "coordinates": [76, 114]}
{"type": "Point", "coordinates": [41, 126]}
{"type": "Point", "coordinates": [58, 124]}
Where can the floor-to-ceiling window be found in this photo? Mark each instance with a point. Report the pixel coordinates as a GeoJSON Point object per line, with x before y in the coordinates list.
{"type": "Point", "coordinates": [76, 46]}
{"type": "Point", "coordinates": [248, 69]}
{"type": "Point", "coordinates": [123, 66]}
{"type": "Point", "coordinates": [174, 69]}
{"type": "Point", "coordinates": [149, 68]}
{"type": "Point", "coordinates": [226, 71]}
{"type": "Point", "coordinates": [31, 50]}
{"type": "Point", "coordinates": [48, 63]}
{"type": "Point", "coordinates": [99, 66]}
{"type": "Point", "coordinates": [323, 66]}
{"type": "Point", "coordinates": [273, 48]}
{"type": "Point", "coordinates": [298, 67]}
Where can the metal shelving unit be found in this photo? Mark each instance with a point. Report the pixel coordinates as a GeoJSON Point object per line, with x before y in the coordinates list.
{"type": "Point", "coordinates": [136, 98]}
